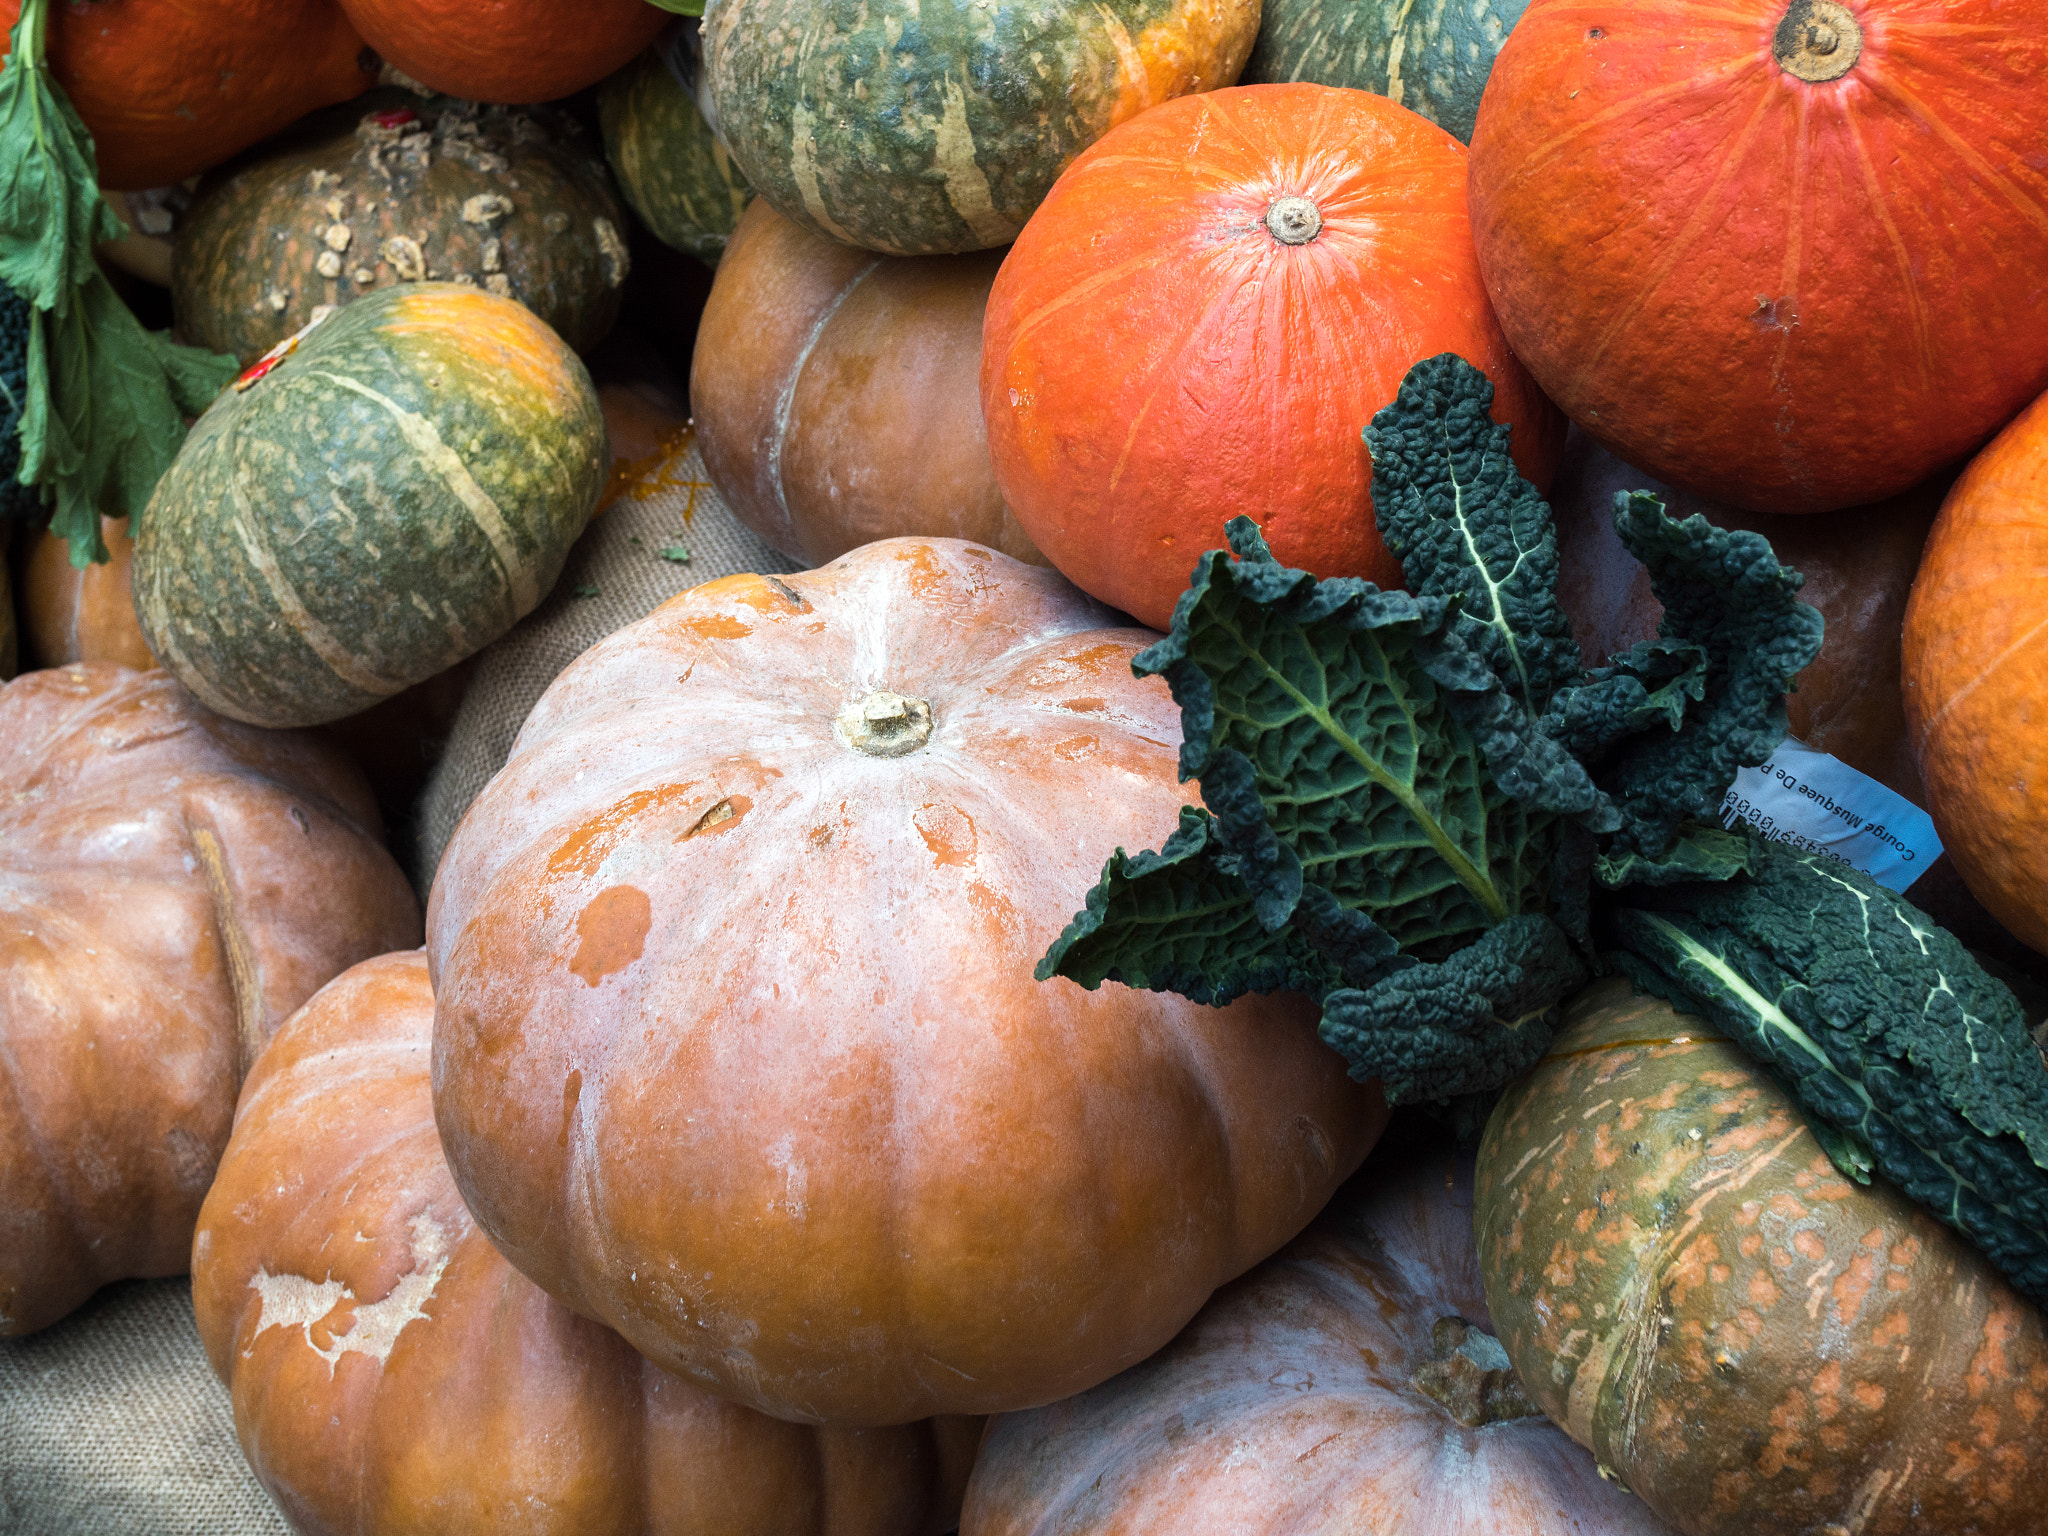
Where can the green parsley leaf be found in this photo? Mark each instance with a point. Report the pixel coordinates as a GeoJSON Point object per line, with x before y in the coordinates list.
{"type": "Point", "coordinates": [675, 552]}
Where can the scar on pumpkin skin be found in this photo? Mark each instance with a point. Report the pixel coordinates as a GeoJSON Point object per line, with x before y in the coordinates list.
{"type": "Point", "coordinates": [293, 1301]}
{"type": "Point", "coordinates": [613, 932]}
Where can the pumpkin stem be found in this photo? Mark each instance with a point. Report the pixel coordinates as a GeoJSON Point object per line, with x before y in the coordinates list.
{"type": "Point", "coordinates": [885, 724]}
{"type": "Point", "coordinates": [1294, 220]}
{"type": "Point", "coordinates": [1818, 41]}
{"type": "Point", "coordinates": [1469, 1376]}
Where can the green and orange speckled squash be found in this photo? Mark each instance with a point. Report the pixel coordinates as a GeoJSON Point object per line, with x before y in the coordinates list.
{"type": "Point", "coordinates": [389, 497]}
{"type": "Point", "coordinates": [1742, 1336]}
{"type": "Point", "coordinates": [919, 127]}
{"type": "Point", "coordinates": [678, 177]}
{"type": "Point", "coordinates": [395, 189]}
{"type": "Point", "coordinates": [1432, 59]}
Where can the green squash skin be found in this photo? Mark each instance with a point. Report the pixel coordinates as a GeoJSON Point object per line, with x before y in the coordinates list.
{"type": "Point", "coordinates": [311, 551]}
{"type": "Point", "coordinates": [676, 175]}
{"type": "Point", "coordinates": [927, 127]}
{"type": "Point", "coordinates": [1426, 55]}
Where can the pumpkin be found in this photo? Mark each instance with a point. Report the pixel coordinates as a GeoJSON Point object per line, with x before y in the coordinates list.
{"type": "Point", "coordinates": [1976, 674]}
{"type": "Point", "coordinates": [169, 88]}
{"type": "Point", "coordinates": [1349, 1383]}
{"type": "Point", "coordinates": [395, 189]}
{"type": "Point", "coordinates": [737, 1047]}
{"type": "Point", "coordinates": [173, 885]}
{"type": "Point", "coordinates": [836, 393]}
{"type": "Point", "coordinates": [371, 506]}
{"type": "Point", "coordinates": [921, 129]}
{"type": "Point", "coordinates": [406, 1378]}
{"type": "Point", "coordinates": [1788, 254]}
{"type": "Point", "coordinates": [1432, 60]}
{"type": "Point", "coordinates": [673, 170]}
{"type": "Point", "coordinates": [506, 50]}
{"type": "Point", "coordinates": [1204, 315]}
{"type": "Point", "coordinates": [9, 642]}
{"type": "Point", "coordinates": [1741, 1335]}
{"type": "Point", "coordinates": [70, 615]}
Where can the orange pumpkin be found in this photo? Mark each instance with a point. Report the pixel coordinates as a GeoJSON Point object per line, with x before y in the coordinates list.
{"type": "Point", "coordinates": [172, 885]}
{"type": "Point", "coordinates": [1789, 254]}
{"type": "Point", "coordinates": [738, 1048]}
{"type": "Point", "coordinates": [1204, 314]}
{"type": "Point", "coordinates": [391, 1373]}
{"type": "Point", "coordinates": [170, 88]}
{"type": "Point", "coordinates": [69, 615]}
{"type": "Point", "coordinates": [506, 50]}
{"type": "Point", "coordinates": [1976, 675]}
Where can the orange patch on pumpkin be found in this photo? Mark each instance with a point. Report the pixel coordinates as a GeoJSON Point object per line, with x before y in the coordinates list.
{"type": "Point", "coordinates": [612, 931]}
{"type": "Point", "coordinates": [500, 336]}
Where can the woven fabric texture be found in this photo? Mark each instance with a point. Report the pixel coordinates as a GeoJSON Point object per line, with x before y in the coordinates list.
{"type": "Point", "coordinates": [617, 573]}
{"type": "Point", "coordinates": [112, 1424]}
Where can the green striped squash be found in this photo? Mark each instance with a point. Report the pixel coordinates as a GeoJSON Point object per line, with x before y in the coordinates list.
{"type": "Point", "coordinates": [677, 176]}
{"type": "Point", "coordinates": [1429, 56]}
{"type": "Point", "coordinates": [920, 127]}
{"type": "Point", "coordinates": [386, 498]}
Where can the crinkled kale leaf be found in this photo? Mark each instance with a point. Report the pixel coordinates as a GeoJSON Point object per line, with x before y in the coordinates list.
{"type": "Point", "coordinates": [1907, 1057]}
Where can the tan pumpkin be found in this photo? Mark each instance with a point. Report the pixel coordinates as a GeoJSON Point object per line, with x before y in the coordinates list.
{"type": "Point", "coordinates": [1745, 1338]}
{"type": "Point", "coordinates": [836, 393]}
{"type": "Point", "coordinates": [70, 615]}
{"type": "Point", "coordinates": [1348, 1384]}
{"type": "Point", "coordinates": [738, 1047]}
{"type": "Point", "coordinates": [391, 1373]}
{"type": "Point", "coordinates": [172, 885]}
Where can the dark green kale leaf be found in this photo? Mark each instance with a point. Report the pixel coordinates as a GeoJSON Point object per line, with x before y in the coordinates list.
{"type": "Point", "coordinates": [1907, 1055]}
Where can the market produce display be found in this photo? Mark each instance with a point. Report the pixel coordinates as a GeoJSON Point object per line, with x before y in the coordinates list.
{"type": "Point", "coordinates": [343, 1358]}
{"type": "Point", "coordinates": [1789, 256]}
{"type": "Point", "coordinates": [1211, 303]}
{"type": "Point", "coordinates": [397, 189]}
{"type": "Point", "coordinates": [172, 885]}
{"type": "Point", "coordinates": [680, 179]}
{"type": "Point", "coordinates": [837, 393]}
{"type": "Point", "coordinates": [922, 129]}
{"type": "Point", "coordinates": [737, 1045]}
{"type": "Point", "coordinates": [383, 496]}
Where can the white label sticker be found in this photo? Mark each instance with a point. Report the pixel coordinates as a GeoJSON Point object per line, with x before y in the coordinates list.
{"type": "Point", "coordinates": [1821, 804]}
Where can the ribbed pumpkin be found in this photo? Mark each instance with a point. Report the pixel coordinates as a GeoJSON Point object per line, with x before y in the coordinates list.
{"type": "Point", "coordinates": [395, 189]}
{"type": "Point", "coordinates": [678, 177]}
{"type": "Point", "coordinates": [506, 50]}
{"type": "Point", "coordinates": [1431, 59]}
{"type": "Point", "coordinates": [70, 615]}
{"type": "Point", "coordinates": [1202, 318]}
{"type": "Point", "coordinates": [1348, 1384]}
{"type": "Point", "coordinates": [920, 127]}
{"type": "Point", "coordinates": [170, 88]}
{"type": "Point", "coordinates": [837, 393]}
{"type": "Point", "coordinates": [738, 1048]}
{"type": "Point", "coordinates": [383, 500]}
{"type": "Point", "coordinates": [1792, 256]}
{"type": "Point", "coordinates": [392, 1373]}
{"type": "Point", "coordinates": [1741, 1335]}
{"type": "Point", "coordinates": [172, 885]}
{"type": "Point", "coordinates": [1976, 675]}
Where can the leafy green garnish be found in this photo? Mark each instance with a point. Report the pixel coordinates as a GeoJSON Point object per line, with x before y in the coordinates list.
{"type": "Point", "coordinates": [105, 400]}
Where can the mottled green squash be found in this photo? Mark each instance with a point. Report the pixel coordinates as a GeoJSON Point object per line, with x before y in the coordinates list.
{"type": "Point", "coordinates": [919, 127]}
{"type": "Point", "coordinates": [387, 498]}
{"type": "Point", "coordinates": [1429, 56]}
{"type": "Point", "coordinates": [394, 189]}
{"type": "Point", "coordinates": [677, 176]}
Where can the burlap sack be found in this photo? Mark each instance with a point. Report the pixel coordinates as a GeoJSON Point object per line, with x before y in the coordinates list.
{"type": "Point", "coordinates": [618, 572]}
{"type": "Point", "coordinates": [112, 1424]}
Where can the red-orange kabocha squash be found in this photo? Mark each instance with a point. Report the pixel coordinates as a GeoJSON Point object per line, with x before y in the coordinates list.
{"type": "Point", "coordinates": [392, 1375]}
{"type": "Point", "coordinates": [1789, 254]}
{"type": "Point", "coordinates": [1976, 675]}
{"type": "Point", "coordinates": [1204, 314]}
{"type": "Point", "coordinates": [172, 885]}
{"type": "Point", "coordinates": [738, 1048]}
{"type": "Point", "coordinates": [506, 50]}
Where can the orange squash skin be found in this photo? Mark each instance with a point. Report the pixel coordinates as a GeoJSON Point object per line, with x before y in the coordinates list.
{"type": "Point", "coordinates": [1786, 294]}
{"type": "Point", "coordinates": [509, 51]}
{"type": "Point", "coordinates": [1746, 1339]}
{"type": "Point", "coordinates": [1155, 361]}
{"type": "Point", "coordinates": [738, 1048]}
{"type": "Point", "coordinates": [348, 1303]}
{"type": "Point", "coordinates": [69, 615]}
{"type": "Point", "coordinates": [1976, 675]}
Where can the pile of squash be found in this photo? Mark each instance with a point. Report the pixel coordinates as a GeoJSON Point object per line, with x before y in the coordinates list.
{"type": "Point", "coordinates": [697, 1153]}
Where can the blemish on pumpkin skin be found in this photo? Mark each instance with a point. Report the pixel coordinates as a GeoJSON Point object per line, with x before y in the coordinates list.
{"type": "Point", "coordinates": [612, 931]}
{"type": "Point", "coordinates": [718, 626]}
{"type": "Point", "coordinates": [722, 817]}
{"type": "Point", "coordinates": [948, 832]}
{"type": "Point", "coordinates": [926, 575]}
{"type": "Point", "coordinates": [592, 843]}
{"type": "Point", "coordinates": [572, 1090]}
